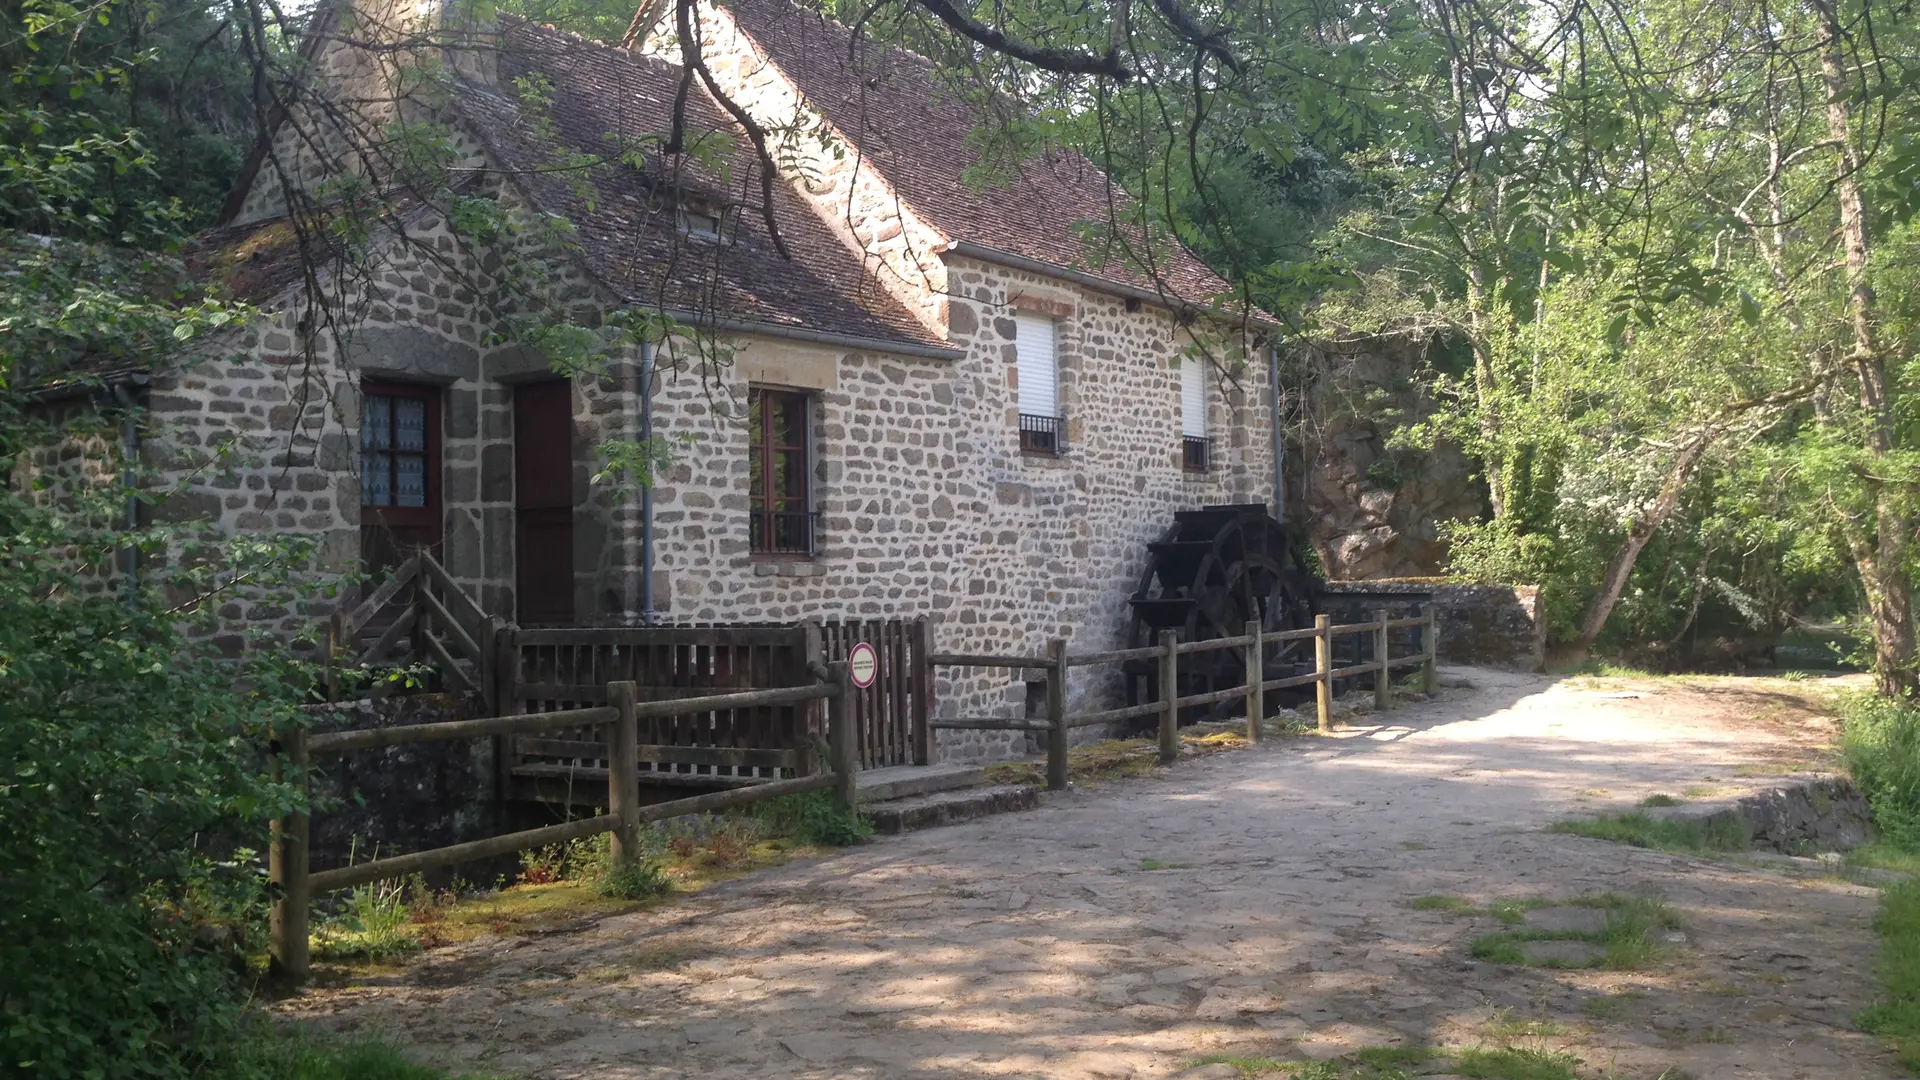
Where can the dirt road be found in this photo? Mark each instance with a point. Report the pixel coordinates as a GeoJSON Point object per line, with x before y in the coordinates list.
{"type": "Point", "coordinates": [1254, 903]}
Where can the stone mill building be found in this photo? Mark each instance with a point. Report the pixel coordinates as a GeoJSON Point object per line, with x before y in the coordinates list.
{"type": "Point", "coordinates": [941, 400]}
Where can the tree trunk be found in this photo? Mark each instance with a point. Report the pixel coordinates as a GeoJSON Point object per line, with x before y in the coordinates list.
{"type": "Point", "coordinates": [1639, 531]}
{"type": "Point", "coordinates": [1879, 553]}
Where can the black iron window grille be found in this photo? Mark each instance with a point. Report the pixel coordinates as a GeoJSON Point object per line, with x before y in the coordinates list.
{"type": "Point", "coordinates": [783, 532]}
{"type": "Point", "coordinates": [1043, 434]}
{"type": "Point", "coordinates": [1196, 453]}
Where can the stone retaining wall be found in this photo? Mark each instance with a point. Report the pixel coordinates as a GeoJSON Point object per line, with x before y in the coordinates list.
{"type": "Point", "coordinates": [1826, 814]}
{"type": "Point", "coordinates": [1483, 625]}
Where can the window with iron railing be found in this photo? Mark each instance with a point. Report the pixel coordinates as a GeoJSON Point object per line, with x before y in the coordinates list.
{"type": "Point", "coordinates": [783, 532]}
{"type": "Point", "coordinates": [1196, 453]}
{"type": "Point", "coordinates": [1043, 434]}
{"type": "Point", "coordinates": [1042, 429]}
{"type": "Point", "coordinates": [781, 460]}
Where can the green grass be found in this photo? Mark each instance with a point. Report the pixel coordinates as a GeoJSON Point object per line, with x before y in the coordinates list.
{"type": "Point", "coordinates": [1640, 830]}
{"type": "Point", "coordinates": [273, 1052]}
{"type": "Point", "coordinates": [1659, 800]}
{"type": "Point", "coordinates": [1626, 942]}
{"type": "Point", "coordinates": [1895, 1018]}
{"type": "Point", "coordinates": [1884, 856]}
{"type": "Point", "coordinates": [1512, 1064]}
{"type": "Point", "coordinates": [1400, 1062]}
{"type": "Point", "coordinates": [1511, 912]}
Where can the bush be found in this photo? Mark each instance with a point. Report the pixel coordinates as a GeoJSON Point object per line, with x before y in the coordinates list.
{"type": "Point", "coordinates": [131, 792]}
{"type": "Point", "coordinates": [812, 818]}
{"type": "Point", "coordinates": [1880, 742]}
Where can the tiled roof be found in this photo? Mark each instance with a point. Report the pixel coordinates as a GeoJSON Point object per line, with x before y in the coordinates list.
{"type": "Point", "coordinates": [915, 132]}
{"type": "Point", "coordinates": [607, 104]}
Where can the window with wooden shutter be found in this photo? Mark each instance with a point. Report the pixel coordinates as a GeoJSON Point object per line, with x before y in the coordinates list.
{"type": "Point", "coordinates": [1042, 428]}
{"type": "Point", "coordinates": [1195, 447]}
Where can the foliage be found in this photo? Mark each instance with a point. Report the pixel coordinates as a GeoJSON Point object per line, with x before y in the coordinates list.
{"type": "Point", "coordinates": [1880, 743]}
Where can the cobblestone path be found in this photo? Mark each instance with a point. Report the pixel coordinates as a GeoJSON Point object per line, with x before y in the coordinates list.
{"type": "Point", "coordinates": [1253, 903]}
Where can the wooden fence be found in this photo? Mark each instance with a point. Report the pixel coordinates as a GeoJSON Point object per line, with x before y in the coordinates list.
{"type": "Point", "coordinates": [1059, 724]}
{"type": "Point", "coordinates": [547, 670]}
{"type": "Point", "coordinates": [619, 722]}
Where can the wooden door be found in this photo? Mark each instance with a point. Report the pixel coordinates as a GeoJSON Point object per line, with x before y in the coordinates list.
{"type": "Point", "coordinates": [399, 474]}
{"type": "Point", "coordinates": [543, 502]}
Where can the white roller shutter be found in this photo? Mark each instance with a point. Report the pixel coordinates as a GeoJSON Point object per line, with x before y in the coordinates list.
{"type": "Point", "coordinates": [1039, 373]}
{"type": "Point", "coordinates": [1193, 397]}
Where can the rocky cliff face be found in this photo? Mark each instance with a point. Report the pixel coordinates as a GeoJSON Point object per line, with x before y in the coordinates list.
{"type": "Point", "coordinates": [1371, 511]}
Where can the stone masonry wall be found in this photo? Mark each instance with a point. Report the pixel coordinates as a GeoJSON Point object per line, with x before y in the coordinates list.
{"type": "Point", "coordinates": [260, 434]}
{"type": "Point", "coordinates": [928, 506]}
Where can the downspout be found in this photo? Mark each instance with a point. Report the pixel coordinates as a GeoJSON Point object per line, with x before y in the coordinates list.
{"type": "Point", "coordinates": [130, 453]}
{"type": "Point", "coordinates": [647, 613]}
{"type": "Point", "coordinates": [1279, 440]}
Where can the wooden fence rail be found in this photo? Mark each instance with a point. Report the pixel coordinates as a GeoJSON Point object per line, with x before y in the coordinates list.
{"type": "Point", "coordinates": [297, 882]}
{"type": "Point", "coordinates": [1059, 723]}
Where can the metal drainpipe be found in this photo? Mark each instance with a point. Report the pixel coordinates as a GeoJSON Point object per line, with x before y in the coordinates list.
{"type": "Point", "coordinates": [1279, 440]}
{"type": "Point", "coordinates": [130, 451]}
{"type": "Point", "coordinates": [647, 612]}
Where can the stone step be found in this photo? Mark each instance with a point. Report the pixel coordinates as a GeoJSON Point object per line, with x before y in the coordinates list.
{"type": "Point", "coordinates": [905, 781]}
{"type": "Point", "coordinates": [948, 807]}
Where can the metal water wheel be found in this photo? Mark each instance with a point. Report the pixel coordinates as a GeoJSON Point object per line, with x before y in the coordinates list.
{"type": "Point", "coordinates": [1217, 569]}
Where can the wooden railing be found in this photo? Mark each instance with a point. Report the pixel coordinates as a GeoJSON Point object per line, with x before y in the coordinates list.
{"type": "Point", "coordinates": [1059, 723]}
{"type": "Point", "coordinates": [619, 720]}
{"type": "Point", "coordinates": [432, 616]}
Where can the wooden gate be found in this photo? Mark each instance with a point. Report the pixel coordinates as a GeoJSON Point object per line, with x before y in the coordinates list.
{"type": "Point", "coordinates": [891, 715]}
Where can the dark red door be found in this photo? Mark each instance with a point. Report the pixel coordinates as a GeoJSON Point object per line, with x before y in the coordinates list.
{"type": "Point", "coordinates": [543, 502]}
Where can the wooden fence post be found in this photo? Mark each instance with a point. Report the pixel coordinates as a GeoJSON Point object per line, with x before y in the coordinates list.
{"type": "Point", "coordinates": [1430, 645]}
{"type": "Point", "coordinates": [287, 866]}
{"type": "Point", "coordinates": [506, 702]}
{"type": "Point", "coordinates": [920, 648]}
{"type": "Point", "coordinates": [1169, 697]}
{"type": "Point", "coordinates": [1383, 670]}
{"type": "Point", "coordinates": [1057, 714]}
{"type": "Point", "coordinates": [1256, 674]}
{"type": "Point", "coordinates": [842, 745]}
{"type": "Point", "coordinates": [1323, 667]}
{"type": "Point", "coordinates": [623, 775]}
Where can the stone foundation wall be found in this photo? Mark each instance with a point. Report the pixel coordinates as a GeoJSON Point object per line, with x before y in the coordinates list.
{"type": "Point", "coordinates": [403, 798]}
{"type": "Point", "coordinates": [1483, 625]}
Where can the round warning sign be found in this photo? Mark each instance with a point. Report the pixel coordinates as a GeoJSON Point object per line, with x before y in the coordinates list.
{"type": "Point", "coordinates": [863, 664]}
